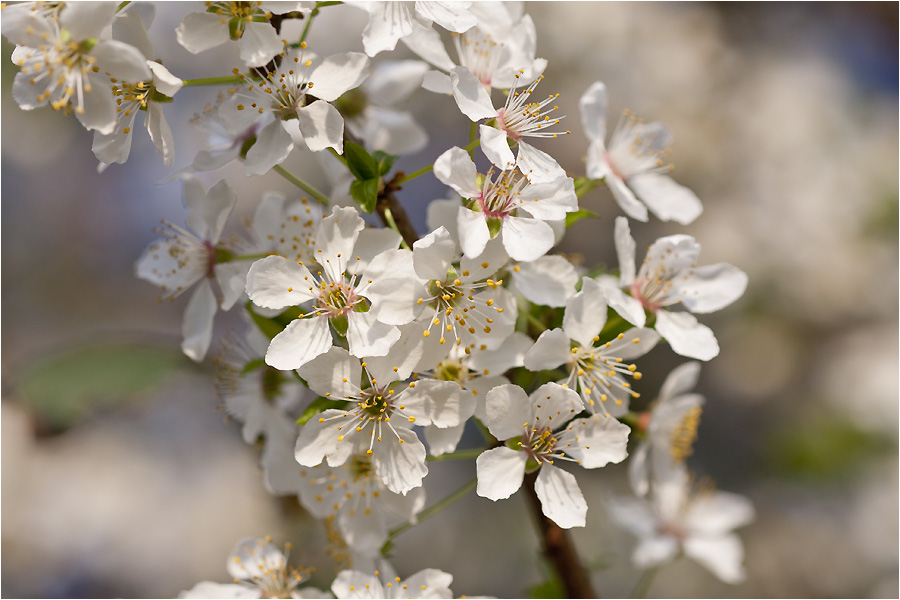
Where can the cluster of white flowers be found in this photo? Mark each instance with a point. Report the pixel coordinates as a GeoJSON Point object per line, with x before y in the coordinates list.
{"type": "Point", "coordinates": [361, 340]}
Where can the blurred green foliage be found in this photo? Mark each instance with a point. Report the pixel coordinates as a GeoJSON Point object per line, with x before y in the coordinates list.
{"type": "Point", "coordinates": [824, 449]}
{"type": "Point", "coordinates": [75, 383]}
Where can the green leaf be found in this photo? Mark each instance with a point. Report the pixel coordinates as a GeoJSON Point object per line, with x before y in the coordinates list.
{"type": "Point", "coordinates": [552, 588]}
{"type": "Point", "coordinates": [319, 405]}
{"type": "Point", "coordinates": [365, 193]}
{"type": "Point", "coordinates": [78, 381]}
{"type": "Point", "coordinates": [385, 161]}
{"type": "Point", "coordinates": [574, 217]}
{"type": "Point", "coordinates": [362, 164]}
{"type": "Point", "coordinates": [270, 327]}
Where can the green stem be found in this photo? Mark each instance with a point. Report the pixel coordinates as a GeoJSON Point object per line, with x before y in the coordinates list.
{"type": "Point", "coordinates": [302, 185]}
{"type": "Point", "coordinates": [213, 80]}
{"type": "Point", "coordinates": [123, 5]}
{"type": "Point", "coordinates": [459, 454]}
{"type": "Point", "coordinates": [536, 322]}
{"type": "Point", "coordinates": [337, 156]}
{"type": "Point", "coordinates": [468, 148]}
{"type": "Point", "coordinates": [314, 13]}
{"type": "Point", "coordinates": [436, 507]}
{"type": "Point", "coordinates": [389, 217]}
{"type": "Point", "coordinates": [473, 131]}
{"type": "Point", "coordinates": [644, 583]}
{"type": "Point", "coordinates": [584, 186]}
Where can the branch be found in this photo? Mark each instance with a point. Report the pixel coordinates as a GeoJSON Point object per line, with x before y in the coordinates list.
{"type": "Point", "coordinates": [558, 548]}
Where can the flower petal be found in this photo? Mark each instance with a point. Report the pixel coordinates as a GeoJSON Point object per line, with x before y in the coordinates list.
{"type": "Point", "coordinates": [507, 408]}
{"type": "Point", "coordinates": [300, 342]}
{"type": "Point", "coordinates": [368, 336]}
{"type": "Point", "coordinates": [625, 249]}
{"type": "Point", "coordinates": [201, 31]}
{"type": "Point", "coordinates": [593, 107]}
{"type": "Point", "coordinates": [335, 373]}
{"type": "Point", "coordinates": [526, 239]}
{"type": "Point", "coordinates": [388, 22]}
{"type": "Point", "coordinates": [500, 473]}
{"type": "Point", "coordinates": [277, 282]}
{"type": "Point", "coordinates": [471, 97]}
{"type": "Point", "coordinates": [585, 313]}
{"type": "Point", "coordinates": [712, 287]}
{"type": "Point", "coordinates": [495, 145]}
{"type": "Point", "coordinates": [549, 280]}
{"type": "Point", "coordinates": [452, 16]}
{"type": "Point", "coordinates": [537, 165]}
{"type": "Point", "coordinates": [456, 169]}
{"type": "Point", "coordinates": [198, 322]}
{"type": "Point", "coordinates": [666, 199]}
{"type": "Point", "coordinates": [721, 555]}
{"type": "Point", "coordinates": [322, 126]}
{"type": "Point", "coordinates": [259, 43]}
{"type": "Point", "coordinates": [686, 335]}
{"type": "Point", "coordinates": [473, 231]}
{"type": "Point", "coordinates": [560, 496]}
{"type": "Point", "coordinates": [550, 350]}
{"type": "Point", "coordinates": [401, 465]}
{"type": "Point", "coordinates": [339, 73]}
{"type": "Point", "coordinates": [601, 441]}
{"type": "Point", "coordinates": [121, 60]}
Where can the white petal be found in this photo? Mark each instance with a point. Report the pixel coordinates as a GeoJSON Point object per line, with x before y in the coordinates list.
{"type": "Point", "coordinates": [455, 168]}
{"type": "Point", "coordinates": [526, 239]}
{"type": "Point", "coordinates": [232, 279]}
{"type": "Point", "coordinates": [432, 582]}
{"type": "Point", "coordinates": [638, 471]}
{"type": "Point", "coordinates": [635, 342]}
{"type": "Point", "coordinates": [437, 82]}
{"type": "Point", "coordinates": [85, 20]}
{"type": "Point", "coordinates": [300, 342]}
{"type": "Point", "coordinates": [441, 403]}
{"type": "Point", "coordinates": [355, 584]}
{"type": "Point", "coordinates": [198, 322]}
{"type": "Point", "coordinates": [537, 165]}
{"type": "Point", "coordinates": [388, 22]}
{"type": "Point", "coordinates": [339, 73]}
{"type": "Point", "coordinates": [549, 281]}
{"type": "Point", "coordinates": [550, 201]}
{"type": "Point", "coordinates": [712, 287]}
{"type": "Point", "coordinates": [394, 301]}
{"type": "Point", "coordinates": [368, 336]}
{"type": "Point", "coordinates": [259, 43]}
{"type": "Point", "coordinates": [378, 255]}
{"type": "Point", "coordinates": [336, 239]}
{"type": "Point", "coordinates": [440, 441]}
{"type": "Point", "coordinates": [686, 335]}
{"type": "Point", "coordinates": [717, 513]}
{"type": "Point", "coordinates": [319, 437]}
{"type": "Point", "coordinates": [628, 307]}
{"type": "Point", "coordinates": [277, 282]}
{"type": "Point", "coordinates": [403, 356]}
{"type": "Point", "coordinates": [550, 350]}
{"type": "Point", "coordinates": [632, 514]}
{"type": "Point", "coordinates": [723, 556]}
{"type": "Point", "coordinates": [426, 42]}
{"type": "Point", "coordinates": [585, 313]}
{"type": "Point", "coordinates": [452, 16]}
{"type": "Point", "coordinates": [507, 409]}
{"type": "Point", "coordinates": [335, 373]}
{"type": "Point", "coordinates": [99, 107]}
{"type": "Point", "coordinates": [211, 589]}
{"type": "Point", "coordinates": [208, 211]}
{"type": "Point", "coordinates": [666, 199]}
{"type": "Point", "coordinates": [433, 254]}
{"type": "Point", "coordinates": [392, 131]}
{"type": "Point", "coordinates": [442, 213]}
{"type": "Point", "coordinates": [473, 231]}
{"type": "Point", "coordinates": [471, 97]}
{"type": "Point", "coordinates": [560, 496]}
{"type": "Point", "coordinates": [601, 441]}
{"type": "Point", "coordinates": [401, 466]}
{"type": "Point", "coordinates": [394, 81]}
{"type": "Point", "coordinates": [554, 404]}
{"type": "Point", "coordinates": [654, 551]}
{"type": "Point", "coordinates": [681, 379]}
{"type": "Point", "coordinates": [160, 133]}
{"type": "Point", "coordinates": [495, 145]}
{"type": "Point", "coordinates": [322, 126]}
{"type": "Point", "coordinates": [511, 353]}
{"type": "Point", "coordinates": [625, 197]}
{"type": "Point", "coordinates": [116, 146]}
{"type": "Point", "coordinates": [485, 264]}
{"type": "Point", "coordinates": [593, 107]}
{"type": "Point", "coordinates": [163, 80]}
{"type": "Point", "coordinates": [625, 249]}
{"type": "Point", "coordinates": [500, 472]}
{"type": "Point", "coordinates": [121, 60]}
{"type": "Point", "coordinates": [202, 31]}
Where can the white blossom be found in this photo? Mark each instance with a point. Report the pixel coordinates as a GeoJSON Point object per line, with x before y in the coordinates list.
{"type": "Point", "coordinates": [428, 583]}
{"type": "Point", "coordinates": [633, 166]}
{"type": "Point", "coordinates": [596, 369]}
{"type": "Point", "coordinates": [548, 433]}
{"type": "Point", "coordinates": [670, 276]}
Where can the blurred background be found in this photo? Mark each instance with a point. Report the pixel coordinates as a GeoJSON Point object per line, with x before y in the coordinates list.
{"type": "Point", "coordinates": [121, 476]}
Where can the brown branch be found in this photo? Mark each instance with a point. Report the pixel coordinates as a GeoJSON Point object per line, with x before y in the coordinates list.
{"type": "Point", "coordinates": [558, 548]}
{"type": "Point", "coordinates": [387, 201]}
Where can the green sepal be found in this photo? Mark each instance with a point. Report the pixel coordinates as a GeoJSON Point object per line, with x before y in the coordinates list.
{"type": "Point", "coordinates": [87, 45]}
{"type": "Point", "coordinates": [494, 226]}
{"type": "Point", "coordinates": [531, 465]}
{"type": "Point", "coordinates": [320, 404]}
{"type": "Point", "coordinates": [362, 307]}
{"type": "Point", "coordinates": [362, 164]}
{"type": "Point", "coordinates": [248, 143]}
{"type": "Point", "coordinates": [574, 217]}
{"type": "Point", "coordinates": [351, 103]}
{"type": "Point", "coordinates": [273, 326]}
{"type": "Point", "coordinates": [235, 31]}
{"type": "Point", "coordinates": [223, 255]}
{"type": "Point", "coordinates": [157, 96]}
{"type": "Point", "coordinates": [365, 193]}
{"type": "Point", "coordinates": [340, 324]}
{"type": "Point", "coordinates": [513, 443]}
{"type": "Point", "coordinates": [253, 365]}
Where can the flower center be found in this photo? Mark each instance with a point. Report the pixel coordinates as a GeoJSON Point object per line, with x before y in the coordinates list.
{"type": "Point", "coordinates": [520, 117]}
{"type": "Point", "coordinates": [336, 298]}
{"type": "Point", "coordinates": [282, 90]}
{"type": "Point", "coordinates": [479, 53]}
{"type": "Point", "coordinates": [458, 308]}
{"type": "Point", "coordinates": [682, 441]}
{"type": "Point", "coordinates": [500, 197]}
{"type": "Point", "coordinates": [600, 376]}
